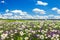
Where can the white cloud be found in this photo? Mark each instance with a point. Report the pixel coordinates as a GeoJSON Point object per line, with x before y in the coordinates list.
{"type": "Point", "coordinates": [19, 12]}
{"type": "Point", "coordinates": [8, 14]}
{"type": "Point", "coordinates": [7, 10]}
{"type": "Point", "coordinates": [56, 9]}
{"type": "Point", "coordinates": [28, 16]}
{"type": "Point", "coordinates": [42, 3]}
{"type": "Point", "coordinates": [0, 15]}
{"type": "Point", "coordinates": [37, 10]}
{"type": "Point", "coordinates": [40, 17]}
{"type": "Point", "coordinates": [17, 17]}
{"type": "Point", "coordinates": [51, 15]}
{"type": "Point", "coordinates": [16, 11]}
{"type": "Point", "coordinates": [12, 15]}
{"type": "Point", "coordinates": [57, 17]}
{"type": "Point", "coordinates": [43, 17]}
{"type": "Point", "coordinates": [3, 1]}
{"type": "Point", "coordinates": [16, 14]}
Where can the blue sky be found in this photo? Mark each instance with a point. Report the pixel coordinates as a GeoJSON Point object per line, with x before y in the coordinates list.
{"type": "Point", "coordinates": [30, 9]}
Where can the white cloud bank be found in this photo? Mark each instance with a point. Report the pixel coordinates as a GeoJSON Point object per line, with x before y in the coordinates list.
{"type": "Point", "coordinates": [40, 11]}
{"type": "Point", "coordinates": [15, 14]}
{"type": "Point", "coordinates": [19, 14]}
{"type": "Point", "coordinates": [42, 3]}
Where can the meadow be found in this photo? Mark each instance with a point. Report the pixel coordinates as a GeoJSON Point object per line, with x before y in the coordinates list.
{"type": "Point", "coordinates": [29, 29]}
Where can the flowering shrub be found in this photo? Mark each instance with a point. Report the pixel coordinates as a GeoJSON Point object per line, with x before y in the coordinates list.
{"type": "Point", "coordinates": [30, 30]}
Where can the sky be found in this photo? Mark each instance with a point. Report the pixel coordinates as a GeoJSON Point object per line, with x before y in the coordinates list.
{"type": "Point", "coordinates": [30, 9]}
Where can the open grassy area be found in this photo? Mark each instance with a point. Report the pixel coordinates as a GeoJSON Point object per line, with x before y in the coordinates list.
{"type": "Point", "coordinates": [29, 29]}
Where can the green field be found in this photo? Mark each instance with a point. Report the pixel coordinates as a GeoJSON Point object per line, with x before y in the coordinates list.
{"type": "Point", "coordinates": [29, 29]}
